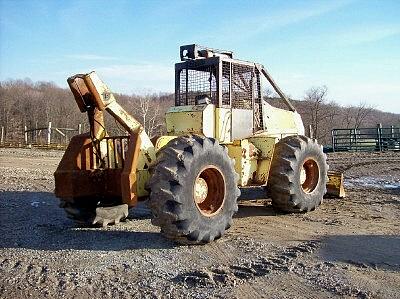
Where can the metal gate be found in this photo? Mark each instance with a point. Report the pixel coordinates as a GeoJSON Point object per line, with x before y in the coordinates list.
{"type": "Point", "coordinates": [366, 139]}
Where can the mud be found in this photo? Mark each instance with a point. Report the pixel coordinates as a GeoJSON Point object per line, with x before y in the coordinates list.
{"type": "Point", "coordinates": [347, 248]}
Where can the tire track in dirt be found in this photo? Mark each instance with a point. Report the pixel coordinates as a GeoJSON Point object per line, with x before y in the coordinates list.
{"type": "Point", "coordinates": [343, 163]}
{"type": "Point", "coordinates": [288, 260]}
{"type": "Point", "coordinates": [244, 271]}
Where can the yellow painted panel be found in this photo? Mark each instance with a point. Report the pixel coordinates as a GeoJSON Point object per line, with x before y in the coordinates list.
{"type": "Point", "coordinates": [147, 154]}
{"type": "Point", "coordinates": [280, 123]}
{"type": "Point", "coordinates": [266, 145]}
{"type": "Point", "coordinates": [249, 162]}
{"type": "Point", "coordinates": [184, 122]}
{"type": "Point", "coordinates": [235, 152]}
{"type": "Point", "coordinates": [162, 141]}
{"type": "Point", "coordinates": [194, 119]}
{"type": "Point", "coordinates": [245, 155]}
{"type": "Point", "coordinates": [142, 177]}
{"type": "Point", "coordinates": [223, 124]}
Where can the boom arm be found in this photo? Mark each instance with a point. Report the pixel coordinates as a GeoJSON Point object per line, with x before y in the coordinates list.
{"type": "Point", "coordinates": [94, 97]}
{"type": "Point", "coordinates": [91, 93]}
{"type": "Point", "coordinates": [262, 70]}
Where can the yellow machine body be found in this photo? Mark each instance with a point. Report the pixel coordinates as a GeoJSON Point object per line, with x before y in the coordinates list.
{"type": "Point", "coordinates": [96, 164]}
{"type": "Point", "coordinates": [253, 153]}
{"type": "Point", "coordinates": [220, 116]}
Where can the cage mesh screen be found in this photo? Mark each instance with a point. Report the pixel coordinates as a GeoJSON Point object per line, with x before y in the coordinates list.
{"type": "Point", "coordinates": [242, 86]}
{"type": "Point", "coordinates": [196, 84]}
{"type": "Point", "coordinates": [226, 81]}
{"type": "Point", "coordinates": [180, 98]}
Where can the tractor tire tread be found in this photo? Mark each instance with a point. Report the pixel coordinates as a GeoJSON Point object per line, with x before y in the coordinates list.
{"type": "Point", "coordinates": [168, 201]}
{"type": "Point", "coordinates": [283, 184]}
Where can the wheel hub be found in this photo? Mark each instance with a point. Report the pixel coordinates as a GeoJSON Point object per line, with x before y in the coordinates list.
{"type": "Point", "coordinates": [309, 175]}
{"type": "Point", "coordinates": [200, 190]}
{"type": "Point", "coordinates": [209, 191]}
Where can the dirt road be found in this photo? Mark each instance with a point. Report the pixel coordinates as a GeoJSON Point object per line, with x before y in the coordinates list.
{"type": "Point", "coordinates": [346, 248]}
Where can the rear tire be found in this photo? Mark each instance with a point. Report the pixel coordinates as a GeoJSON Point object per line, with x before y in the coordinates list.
{"type": "Point", "coordinates": [193, 190]}
{"type": "Point", "coordinates": [298, 174]}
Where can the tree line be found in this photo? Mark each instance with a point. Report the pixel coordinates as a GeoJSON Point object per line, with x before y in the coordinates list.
{"type": "Point", "coordinates": [34, 104]}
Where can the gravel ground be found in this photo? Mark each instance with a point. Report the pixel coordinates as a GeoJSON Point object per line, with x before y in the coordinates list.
{"type": "Point", "coordinates": [346, 248]}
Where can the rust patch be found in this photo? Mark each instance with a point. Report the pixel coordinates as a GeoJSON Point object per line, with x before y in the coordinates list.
{"type": "Point", "coordinates": [254, 176]}
{"type": "Point", "coordinates": [244, 152]}
{"type": "Point", "coordinates": [253, 151]}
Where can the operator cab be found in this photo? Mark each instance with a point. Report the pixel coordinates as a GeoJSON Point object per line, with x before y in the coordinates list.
{"type": "Point", "coordinates": [221, 97]}
{"type": "Point", "coordinates": [212, 76]}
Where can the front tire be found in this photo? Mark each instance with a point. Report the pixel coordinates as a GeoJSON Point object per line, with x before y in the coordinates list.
{"type": "Point", "coordinates": [81, 210]}
{"type": "Point", "coordinates": [193, 190]}
{"type": "Point", "coordinates": [298, 175]}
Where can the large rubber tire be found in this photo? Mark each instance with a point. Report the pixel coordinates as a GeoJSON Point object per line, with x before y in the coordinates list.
{"type": "Point", "coordinates": [182, 213]}
{"type": "Point", "coordinates": [298, 175]}
{"type": "Point", "coordinates": [81, 210]}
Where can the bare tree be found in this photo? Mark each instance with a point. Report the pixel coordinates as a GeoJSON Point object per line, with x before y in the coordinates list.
{"type": "Point", "coordinates": [319, 112]}
{"type": "Point", "coordinates": [362, 112]}
{"type": "Point", "coordinates": [23, 102]}
{"type": "Point", "coordinates": [147, 108]}
{"type": "Point", "coordinates": [269, 93]}
{"type": "Point", "coordinates": [355, 116]}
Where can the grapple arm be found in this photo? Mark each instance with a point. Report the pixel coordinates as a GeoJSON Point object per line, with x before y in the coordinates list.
{"type": "Point", "coordinates": [94, 97]}
{"type": "Point", "coordinates": [91, 93]}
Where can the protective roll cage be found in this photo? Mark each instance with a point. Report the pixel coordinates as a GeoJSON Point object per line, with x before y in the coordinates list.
{"type": "Point", "coordinates": [208, 75]}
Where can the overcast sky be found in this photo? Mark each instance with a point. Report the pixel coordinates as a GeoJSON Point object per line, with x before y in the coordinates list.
{"type": "Point", "coordinates": [352, 47]}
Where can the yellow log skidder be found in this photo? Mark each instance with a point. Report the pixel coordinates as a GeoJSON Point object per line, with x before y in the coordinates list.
{"type": "Point", "coordinates": [222, 136]}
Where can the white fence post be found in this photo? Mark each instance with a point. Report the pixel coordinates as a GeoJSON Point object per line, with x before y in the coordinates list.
{"type": "Point", "coordinates": [310, 131]}
{"type": "Point", "coordinates": [49, 133]}
{"type": "Point", "coordinates": [379, 133]}
{"type": "Point", "coordinates": [36, 132]}
{"type": "Point", "coordinates": [25, 135]}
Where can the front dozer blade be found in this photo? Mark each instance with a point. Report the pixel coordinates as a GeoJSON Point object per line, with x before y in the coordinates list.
{"type": "Point", "coordinates": [335, 186]}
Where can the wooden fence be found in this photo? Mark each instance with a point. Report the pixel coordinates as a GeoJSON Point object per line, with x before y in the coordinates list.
{"type": "Point", "coordinates": [42, 137]}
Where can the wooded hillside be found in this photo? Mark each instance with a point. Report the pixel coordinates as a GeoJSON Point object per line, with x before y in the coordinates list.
{"type": "Point", "coordinates": [34, 104]}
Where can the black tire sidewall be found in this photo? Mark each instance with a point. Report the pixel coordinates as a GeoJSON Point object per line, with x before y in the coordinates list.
{"type": "Point", "coordinates": [284, 182]}
{"type": "Point", "coordinates": [312, 199]}
{"type": "Point", "coordinates": [218, 159]}
{"type": "Point", "coordinates": [172, 182]}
